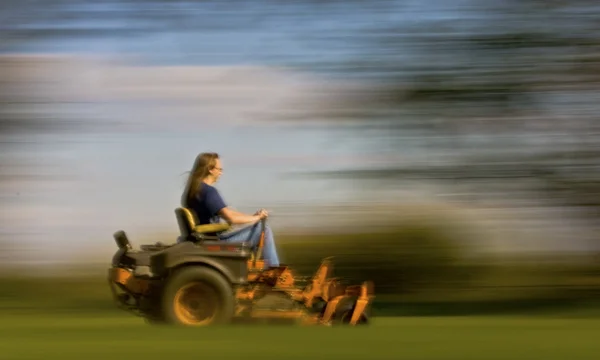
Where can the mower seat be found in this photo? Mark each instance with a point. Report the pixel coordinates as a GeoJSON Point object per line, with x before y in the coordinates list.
{"type": "Point", "coordinates": [190, 230]}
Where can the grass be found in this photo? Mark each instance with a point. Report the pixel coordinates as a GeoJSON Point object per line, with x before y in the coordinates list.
{"type": "Point", "coordinates": [512, 312]}
{"type": "Point", "coordinates": [111, 334]}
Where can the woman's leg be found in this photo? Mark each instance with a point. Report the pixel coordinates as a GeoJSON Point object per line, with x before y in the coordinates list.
{"type": "Point", "coordinates": [269, 249]}
{"type": "Point", "coordinates": [252, 235]}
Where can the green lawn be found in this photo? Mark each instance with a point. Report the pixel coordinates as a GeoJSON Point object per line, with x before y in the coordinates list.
{"type": "Point", "coordinates": [106, 336]}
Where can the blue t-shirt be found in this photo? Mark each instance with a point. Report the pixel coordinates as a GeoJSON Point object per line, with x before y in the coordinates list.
{"type": "Point", "coordinates": [207, 204]}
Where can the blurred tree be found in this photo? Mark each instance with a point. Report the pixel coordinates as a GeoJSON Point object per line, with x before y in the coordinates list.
{"type": "Point", "coordinates": [408, 257]}
{"type": "Point", "coordinates": [507, 92]}
{"type": "Point", "coordinates": [26, 115]}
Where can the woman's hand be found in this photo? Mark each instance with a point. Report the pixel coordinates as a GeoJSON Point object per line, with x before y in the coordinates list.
{"type": "Point", "coordinates": [262, 214]}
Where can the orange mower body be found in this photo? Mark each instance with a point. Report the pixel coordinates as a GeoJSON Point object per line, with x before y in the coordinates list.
{"type": "Point", "coordinates": [202, 281]}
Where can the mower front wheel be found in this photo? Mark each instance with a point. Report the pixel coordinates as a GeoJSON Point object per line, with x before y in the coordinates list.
{"type": "Point", "coordinates": [344, 311]}
{"type": "Point", "coordinates": [198, 296]}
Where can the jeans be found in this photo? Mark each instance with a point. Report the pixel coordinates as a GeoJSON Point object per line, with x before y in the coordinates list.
{"type": "Point", "coordinates": [252, 235]}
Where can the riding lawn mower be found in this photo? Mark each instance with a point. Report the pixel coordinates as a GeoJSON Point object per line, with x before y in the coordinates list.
{"type": "Point", "coordinates": [201, 280]}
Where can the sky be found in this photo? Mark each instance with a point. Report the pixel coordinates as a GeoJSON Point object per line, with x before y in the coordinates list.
{"type": "Point", "coordinates": [175, 92]}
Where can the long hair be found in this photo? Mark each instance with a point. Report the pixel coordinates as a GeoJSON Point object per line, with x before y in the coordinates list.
{"type": "Point", "coordinates": [203, 164]}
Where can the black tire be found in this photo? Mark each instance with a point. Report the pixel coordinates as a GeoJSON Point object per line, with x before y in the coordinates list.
{"type": "Point", "coordinates": [346, 316]}
{"type": "Point", "coordinates": [151, 308]}
{"type": "Point", "coordinates": [198, 296]}
{"type": "Point", "coordinates": [343, 314]}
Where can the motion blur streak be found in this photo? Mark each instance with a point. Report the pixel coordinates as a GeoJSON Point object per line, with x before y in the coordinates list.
{"type": "Point", "coordinates": [448, 151]}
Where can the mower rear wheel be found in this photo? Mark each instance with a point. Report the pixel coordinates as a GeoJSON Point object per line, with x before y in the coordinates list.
{"type": "Point", "coordinates": [198, 296]}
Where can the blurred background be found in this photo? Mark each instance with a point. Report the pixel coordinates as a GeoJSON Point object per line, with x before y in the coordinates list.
{"type": "Point", "coordinates": [447, 150]}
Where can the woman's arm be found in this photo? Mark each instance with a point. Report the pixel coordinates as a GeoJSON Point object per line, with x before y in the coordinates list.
{"type": "Point", "coordinates": [234, 217]}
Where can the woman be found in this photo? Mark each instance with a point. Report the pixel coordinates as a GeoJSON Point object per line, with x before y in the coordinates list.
{"type": "Point", "coordinates": [205, 201]}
